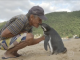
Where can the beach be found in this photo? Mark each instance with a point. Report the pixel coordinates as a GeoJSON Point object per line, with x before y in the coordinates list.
{"type": "Point", "coordinates": [37, 52]}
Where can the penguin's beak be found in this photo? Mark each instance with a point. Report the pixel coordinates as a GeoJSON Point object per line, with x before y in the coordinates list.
{"type": "Point", "coordinates": [44, 28]}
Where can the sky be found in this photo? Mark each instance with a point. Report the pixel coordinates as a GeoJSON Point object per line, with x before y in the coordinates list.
{"type": "Point", "coordinates": [10, 8]}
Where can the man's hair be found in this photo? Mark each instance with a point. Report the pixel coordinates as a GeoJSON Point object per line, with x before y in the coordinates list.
{"type": "Point", "coordinates": [28, 15]}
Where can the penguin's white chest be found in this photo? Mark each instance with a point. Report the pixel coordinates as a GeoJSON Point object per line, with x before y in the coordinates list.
{"type": "Point", "coordinates": [50, 45]}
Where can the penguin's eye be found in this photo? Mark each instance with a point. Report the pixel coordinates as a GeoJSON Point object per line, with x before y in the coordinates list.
{"type": "Point", "coordinates": [44, 28]}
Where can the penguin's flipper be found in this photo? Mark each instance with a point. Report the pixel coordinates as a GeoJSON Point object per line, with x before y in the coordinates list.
{"type": "Point", "coordinates": [46, 42]}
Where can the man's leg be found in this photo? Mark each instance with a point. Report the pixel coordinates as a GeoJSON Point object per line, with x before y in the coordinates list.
{"type": "Point", "coordinates": [11, 52]}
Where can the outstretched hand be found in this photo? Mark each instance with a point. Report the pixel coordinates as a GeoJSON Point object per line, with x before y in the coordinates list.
{"type": "Point", "coordinates": [43, 37]}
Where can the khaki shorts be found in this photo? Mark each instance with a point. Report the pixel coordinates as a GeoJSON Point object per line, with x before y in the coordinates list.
{"type": "Point", "coordinates": [11, 42]}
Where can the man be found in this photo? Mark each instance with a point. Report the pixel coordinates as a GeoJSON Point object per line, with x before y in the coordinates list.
{"type": "Point", "coordinates": [22, 24]}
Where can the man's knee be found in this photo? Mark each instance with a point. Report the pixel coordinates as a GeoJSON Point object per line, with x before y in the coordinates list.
{"type": "Point", "coordinates": [29, 38]}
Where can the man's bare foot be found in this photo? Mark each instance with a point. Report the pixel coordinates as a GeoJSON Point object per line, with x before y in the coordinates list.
{"type": "Point", "coordinates": [9, 55]}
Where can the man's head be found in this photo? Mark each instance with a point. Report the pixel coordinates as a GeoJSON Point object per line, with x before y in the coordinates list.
{"type": "Point", "coordinates": [36, 15]}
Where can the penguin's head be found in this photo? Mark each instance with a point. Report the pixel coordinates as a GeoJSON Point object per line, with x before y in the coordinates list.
{"type": "Point", "coordinates": [45, 27]}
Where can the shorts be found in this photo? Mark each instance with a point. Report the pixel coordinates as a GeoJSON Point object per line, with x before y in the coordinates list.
{"type": "Point", "coordinates": [11, 42]}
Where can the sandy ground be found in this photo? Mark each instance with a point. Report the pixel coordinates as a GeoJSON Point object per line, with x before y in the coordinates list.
{"type": "Point", "coordinates": [37, 52]}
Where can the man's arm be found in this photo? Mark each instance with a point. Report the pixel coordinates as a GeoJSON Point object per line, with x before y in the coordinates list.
{"type": "Point", "coordinates": [7, 34]}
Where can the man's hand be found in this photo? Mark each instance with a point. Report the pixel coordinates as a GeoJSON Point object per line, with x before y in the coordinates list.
{"type": "Point", "coordinates": [43, 37]}
{"type": "Point", "coordinates": [36, 41]}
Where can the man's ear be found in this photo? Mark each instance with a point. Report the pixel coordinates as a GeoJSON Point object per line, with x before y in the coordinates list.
{"type": "Point", "coordinates": [31, 16]}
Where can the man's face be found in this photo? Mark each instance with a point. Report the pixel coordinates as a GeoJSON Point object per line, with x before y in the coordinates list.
{"type": "Point", "coordinates": [36, 21]}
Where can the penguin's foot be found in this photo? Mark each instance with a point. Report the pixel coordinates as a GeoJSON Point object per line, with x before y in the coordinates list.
{"type": "Point", "coordinates": [64, 51]}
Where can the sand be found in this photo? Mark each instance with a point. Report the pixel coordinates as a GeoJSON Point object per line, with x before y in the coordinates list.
{"type": "Point", "coordinates": [37, 52]}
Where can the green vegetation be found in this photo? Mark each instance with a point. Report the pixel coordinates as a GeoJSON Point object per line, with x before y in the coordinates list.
{"type": "Point", "coordinates": [65, 23]}
{"type": "Point", "coordinates": [2, 24]}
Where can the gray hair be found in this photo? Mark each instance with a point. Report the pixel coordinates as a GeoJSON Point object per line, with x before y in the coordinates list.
{"type": "Point", "coordinates": [28, 15]}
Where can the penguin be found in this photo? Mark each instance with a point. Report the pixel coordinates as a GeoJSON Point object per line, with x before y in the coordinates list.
{"type": "Point", "coordinates": [53, 40]}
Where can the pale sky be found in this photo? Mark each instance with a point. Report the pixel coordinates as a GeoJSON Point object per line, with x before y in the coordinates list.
{"type": "Point", "coordinates": [10, 8]}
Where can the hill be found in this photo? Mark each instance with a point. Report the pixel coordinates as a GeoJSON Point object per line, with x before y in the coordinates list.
{"type": "Point", "coordinates": [65, 23]}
